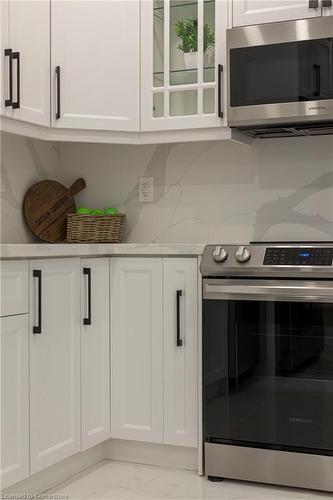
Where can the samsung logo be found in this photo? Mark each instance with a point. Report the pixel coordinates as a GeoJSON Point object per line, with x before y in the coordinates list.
{"type": "Point", "coordinates": [300, 420]}
{"type": "Point", "coordinates": [317, 108]}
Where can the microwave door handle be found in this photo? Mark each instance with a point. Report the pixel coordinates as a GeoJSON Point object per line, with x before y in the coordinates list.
{"type": "Point", "coordinates": [268, 292]}
{"type": "Point", "coordinates": [316, 80]}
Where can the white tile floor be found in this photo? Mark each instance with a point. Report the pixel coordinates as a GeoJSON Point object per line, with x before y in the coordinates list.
{"type": "Point", "coordinates": [118, 481]}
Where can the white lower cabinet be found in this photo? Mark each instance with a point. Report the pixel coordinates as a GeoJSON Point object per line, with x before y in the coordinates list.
{"type": "Point", "coordinates": [136, 349]}
{"type": "Point", "coordinates": [180, 351]}
{"type": "Point", "coordinates": [59, 356]}
{"type": "Point", "coordinates": [95, 350]}
{"type": "Point", "coordinates": [54, 361]}
{"type": "Point", "coordinates": [14, 399]}
{"type": "Point", "coordinates": [154, 380]}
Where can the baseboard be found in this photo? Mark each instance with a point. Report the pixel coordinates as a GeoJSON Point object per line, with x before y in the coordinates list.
{"type": "Point", "coordinates": [50, 477]}
{"type": "Point", "coordinates": [177, 457]}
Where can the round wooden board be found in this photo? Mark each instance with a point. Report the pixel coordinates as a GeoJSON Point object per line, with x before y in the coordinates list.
{"type": "Point", "coordinates": [46, 205]}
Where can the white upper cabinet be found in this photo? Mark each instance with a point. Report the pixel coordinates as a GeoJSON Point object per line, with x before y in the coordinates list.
{"type": "Point", "coordinates": [180, 351]}
{"type": "Point", "coordinates": [54, 361]}
{"type": "Point", "coordinates": [5, 59]}
{"type": "Point", "coordinates": [327, 7]}
{"type": "Point", "coordinates": [248, 12]}
{"type": "Point", "coordinates": [95, 64]}
{"type": "Point", "coordinates": [136, 349]}
{"type": "Point", "coordinates": [26, 64]}
{"type": "Point", "coordinates": [14, 336]}
{"type": "Point", "coordinates": [183, 64]}
{"type": "Point", "coordinates": [95, 352]}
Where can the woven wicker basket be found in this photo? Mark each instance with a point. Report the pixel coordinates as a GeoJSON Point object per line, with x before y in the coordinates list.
{"type": "Point", "coordinates": [95, 228]}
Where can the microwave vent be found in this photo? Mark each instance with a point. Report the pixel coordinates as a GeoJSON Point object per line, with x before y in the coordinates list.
{"type": "Point", "coordinates": [298, 130]}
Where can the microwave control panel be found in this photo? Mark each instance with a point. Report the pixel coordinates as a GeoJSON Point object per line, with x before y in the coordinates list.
{"type": "Point", "coordinates": [302, 256]}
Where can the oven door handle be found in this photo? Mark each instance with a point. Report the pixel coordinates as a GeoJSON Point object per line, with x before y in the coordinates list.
{"type": "Point", "coordinates": [283, 292]}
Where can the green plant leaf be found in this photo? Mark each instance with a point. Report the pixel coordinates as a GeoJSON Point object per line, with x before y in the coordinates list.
{"type": "Point", "coordinates": [187, 31]}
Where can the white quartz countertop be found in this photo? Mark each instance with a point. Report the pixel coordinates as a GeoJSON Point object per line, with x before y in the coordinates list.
{"type": "Point", "coordinates": [41, 250]}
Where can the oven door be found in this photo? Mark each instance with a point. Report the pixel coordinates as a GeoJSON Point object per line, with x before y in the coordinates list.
{"type": "Point", "coordinates": [281, 73]}
{"type": "Point", "coordinates": [268, 364]}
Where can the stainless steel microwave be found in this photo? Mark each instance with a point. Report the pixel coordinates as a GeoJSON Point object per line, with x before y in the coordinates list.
{"type": "Point", "coordinates": [280, 78]}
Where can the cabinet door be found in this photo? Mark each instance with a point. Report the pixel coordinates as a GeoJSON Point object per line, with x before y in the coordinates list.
{"type": "Point", "coordinates": [54, 361]}
{"type": "Point", "coordinates": [96, 46]}
{"type": "Point", "coordinates": [180, 351]}
{"type": "Point", "coordinates": [30, 39]}
{"type": "Point", "coordinates": [179, 89]}
{"type": "Point", "coordinates": [136, 349]}
{"type": "Point", "coordinates": [14, 399]}
{"type": "Point", "coordinates": [4, 87]}
{"type": "Point", "coordinates": [247, 12]}
{"type": "Point", "coordinates": [95, 352]}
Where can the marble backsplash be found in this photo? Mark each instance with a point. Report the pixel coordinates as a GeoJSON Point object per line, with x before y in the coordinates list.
{"type": "Point", "coordinates": [205, 192]}
{"type": "Point", "coordinates": [23, 162]}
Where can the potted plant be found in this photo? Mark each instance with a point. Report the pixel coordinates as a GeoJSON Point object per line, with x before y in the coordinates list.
{"type": "Point", "coordinates": [187, 31]}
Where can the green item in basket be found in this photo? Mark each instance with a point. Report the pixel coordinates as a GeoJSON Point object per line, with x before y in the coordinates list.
{"type": "Point", "coordinates": [97, 211]}
{"type": "Point", "coordinates": [83, 211]}
{"type": "Point", "coordinates": [111, 211]}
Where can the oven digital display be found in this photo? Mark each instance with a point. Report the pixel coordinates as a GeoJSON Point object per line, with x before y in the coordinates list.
{"type": "Point", "coordinates": [298, 256]}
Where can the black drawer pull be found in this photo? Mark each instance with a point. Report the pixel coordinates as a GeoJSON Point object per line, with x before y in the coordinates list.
{"type": "Point", "coordinates": [17, 103]}
{"type": "Point", "coordinates": [37, 273]}
{"type": "Point", "coordinates": [179, 339]}
{"type": "Point", "coordinates": [9, 53]}
{"type": "Point", "coordinates": [313, 4]}
{"type": "Point", "coordinates": [326, 3]}
{"type": "Point", "coordinates": [87, 271]}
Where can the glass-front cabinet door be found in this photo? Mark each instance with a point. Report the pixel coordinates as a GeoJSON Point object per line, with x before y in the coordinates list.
{"type": "Point", "coordinates": [183, 63]}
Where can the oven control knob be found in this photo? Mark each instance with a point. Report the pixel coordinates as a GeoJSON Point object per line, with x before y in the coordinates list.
{"type": "Point", "coordinates": [219, 254]}
{"type": "Point", "coordinates": [242, 254]}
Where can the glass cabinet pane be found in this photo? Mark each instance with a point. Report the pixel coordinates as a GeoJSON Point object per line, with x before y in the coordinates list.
{"type": "Point", "coordinates": [158, 105]}
{"type": "Point", "coordinates": [158, 43]}
{"type": "Point", "coordinates": [209, 101]}
{"type": "Point", "coordinates": [184, 102]}
{"type": "Point", "coordinates": [209, 41]}
{"type": "Point", "coordinates": [183, 42]}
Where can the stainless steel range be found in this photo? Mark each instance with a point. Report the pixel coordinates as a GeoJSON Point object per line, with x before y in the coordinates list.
{"type": "Point", "coordinates": [268, 363]}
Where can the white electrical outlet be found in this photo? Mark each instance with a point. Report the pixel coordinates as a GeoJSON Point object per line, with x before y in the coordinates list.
{"type": "Point", "coordinates": [146, 189]}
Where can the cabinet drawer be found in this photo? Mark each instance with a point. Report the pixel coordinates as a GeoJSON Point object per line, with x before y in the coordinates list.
{"type": "Point", "coordinates": [14, 287]}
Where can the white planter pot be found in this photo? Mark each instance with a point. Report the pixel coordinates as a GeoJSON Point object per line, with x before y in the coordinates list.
{"type": "Point", "coordinates": [191, 60]}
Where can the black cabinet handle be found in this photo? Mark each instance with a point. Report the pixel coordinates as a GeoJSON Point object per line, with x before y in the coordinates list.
{"type": "Point", "coordinates": [9, 53]}
{"type": "Point", "coordinates": [316, 78]}
{"type": "Point", "coordinates": [179, 340]}
{"type": "Point", "coordinates": [17, 104]}
{"type": "Point", "coordinates": [326, 3]}
{"type": "Point", "coordinates": [313, 4]}
{"type": "Point", "coordinates": [57, 70]}
{"type": "Point", "coordinates": [220, 90]}
{"type": "Point", "coordinates": [87, 271]}
{"type": "Point", "coordinates": [37, 273]}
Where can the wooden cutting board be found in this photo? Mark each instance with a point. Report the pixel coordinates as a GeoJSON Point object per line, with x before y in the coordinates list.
{"type": "Point", "coordinates": [46, 205]}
